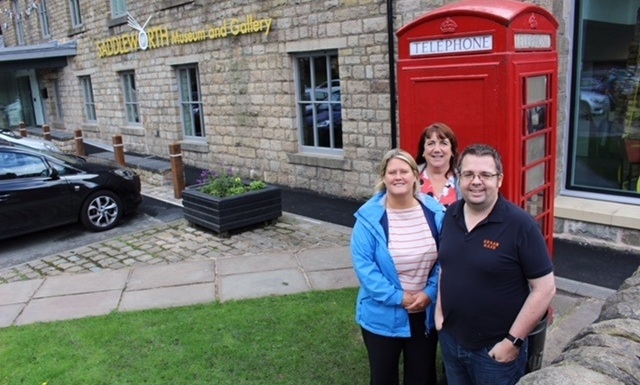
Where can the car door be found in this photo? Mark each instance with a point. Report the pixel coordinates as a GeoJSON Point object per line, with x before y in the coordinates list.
{"type": "Point", "coordinates": [32, 196]}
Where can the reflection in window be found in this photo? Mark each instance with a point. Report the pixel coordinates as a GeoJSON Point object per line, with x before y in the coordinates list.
{"type": "Point", "coordinates": [534, 205]}
{"type": "Point", "coordinates": [535, 149]}
{"type": "Point", "coordinates": [17, 165]}
{"type": "Point", "coordinates": [319, 102]}
{"type": "Point", "coordinates": [606, 101]}
{"type": "Point", "coordinates": [534, 178]}
{"type": "Point", "coordinates": [191, 102]}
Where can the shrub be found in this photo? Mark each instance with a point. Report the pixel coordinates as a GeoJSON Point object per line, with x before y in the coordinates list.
{"type": "Point", "coordinates": [226, 183]}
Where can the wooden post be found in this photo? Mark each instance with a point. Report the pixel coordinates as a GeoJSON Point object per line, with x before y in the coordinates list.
{"type": "Point", "coordinates": [177, 169]}
{"type": "Point", "coordinates": [46, 132]}
{"type": "Point", "coordinates": [23, 129]}
{"type": "Point", "coordinates": [77, 136]}
{"type": "Point", "coordinates": [118, 150]}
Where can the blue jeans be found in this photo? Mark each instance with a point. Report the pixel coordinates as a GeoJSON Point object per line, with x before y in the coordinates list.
{"type": "Point", "coordinates": [475, 367]}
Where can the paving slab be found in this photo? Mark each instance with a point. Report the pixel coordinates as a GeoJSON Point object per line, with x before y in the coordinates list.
{"type": "Point", "coordinates": [326, 258]}
{"type": "Point", "coordinates": [261, 284]}
{"type": "Point", "coordinates": [8, 314]}
{"type": "Point", "coordinates": [83, 283]}
{"type": "Point", "coordinates": [583, 289]}
{"type": "Point", "coordinates": [69, 307]}
{"type": "Point", "coordinates": [18, 292]}
{"type": "Point", "coordinates": [165, 297]}
{"type": "Point", "coordinates": [176, 274]}
{"type": "Point", "coordinates": [256, 263]}
{"type": "Point", "coordinates": [333, 279]}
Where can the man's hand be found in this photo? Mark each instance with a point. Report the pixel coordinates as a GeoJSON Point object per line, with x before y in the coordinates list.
{"type": "Point", "coordinates": [504, 351]}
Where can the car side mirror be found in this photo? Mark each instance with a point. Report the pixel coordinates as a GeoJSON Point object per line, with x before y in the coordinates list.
{"type": "Point", "coordinates": [54, 174]}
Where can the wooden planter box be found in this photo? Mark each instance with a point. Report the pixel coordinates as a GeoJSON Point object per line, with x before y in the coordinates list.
{"type": "Point", "coordinates": [225, 214]}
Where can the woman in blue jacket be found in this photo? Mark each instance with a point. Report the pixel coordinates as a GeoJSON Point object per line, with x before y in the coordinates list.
{"type": "Point", "coordinates": [394, 251]}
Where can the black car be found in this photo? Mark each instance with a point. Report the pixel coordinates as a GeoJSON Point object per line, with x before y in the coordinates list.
{"type": "Point", "coordinates": [39, 190]}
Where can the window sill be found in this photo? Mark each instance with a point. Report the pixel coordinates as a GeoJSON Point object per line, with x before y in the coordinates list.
{"type": "Point", "coordinates": [116, 21]}
{"type": "Point", "coordinates": [133, 131]}
{"type": "Point", "coordinates": [594, 211]}
{"type": "Point", "coordinates": [75, 30]}
{"type": "Point", "coordinates": [324, 161]}
{"type": "Point", "coordinates": [91, 127]}
{"type": "Point", "coordinates": [166, 4]}
{"type": "Point", "coordinates": [194, 146]}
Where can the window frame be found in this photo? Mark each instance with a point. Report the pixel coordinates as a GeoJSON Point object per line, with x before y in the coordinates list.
{"type": "Point", "coordinates": [328, 104]}
{"type": "Point", "coordinates": [118, 8]}
{"type": "Point", "coordinates": [89, 100]}
{"type": "Point", "coordinates": [58, 99]}
{"type": "Point", "coordinates": [130, 92]}
{"type": "Point", "coordinates": [44, 19]}
{"type": "Point", "coordinates": [191, 104]}
{"type": "Point", "coordinates": [18, 23]}
{"type": "Point", "coordinates": [75, 13]}
{"type": "Point", "coordinates": [576, 171]}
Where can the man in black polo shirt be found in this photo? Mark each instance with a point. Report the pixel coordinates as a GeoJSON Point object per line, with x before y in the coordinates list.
{"type": "Point", "coordinates": [496, 278]}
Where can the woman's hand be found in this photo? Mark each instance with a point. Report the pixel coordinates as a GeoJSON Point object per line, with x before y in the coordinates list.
{"type": "Point", "coordinates": [419, 301]}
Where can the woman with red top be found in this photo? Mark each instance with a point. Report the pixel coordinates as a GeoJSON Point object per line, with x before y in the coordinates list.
{"type": "Point", "coordinates": [436, 157]}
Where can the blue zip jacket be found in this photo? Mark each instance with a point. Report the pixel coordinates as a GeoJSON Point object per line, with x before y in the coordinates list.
{"type": "Point", "coordinates": [379, 305]}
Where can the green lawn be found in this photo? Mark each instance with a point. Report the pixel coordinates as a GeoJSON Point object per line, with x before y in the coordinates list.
{"type": "Point", "coordinates": [305, 339]}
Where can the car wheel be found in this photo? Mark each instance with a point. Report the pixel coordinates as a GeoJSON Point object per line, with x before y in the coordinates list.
{"type": "Point", "coordinates": [101, 211]}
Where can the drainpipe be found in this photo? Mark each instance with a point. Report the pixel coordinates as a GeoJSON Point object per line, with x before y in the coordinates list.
{"type": "Point", "coordinates": [392, 74]}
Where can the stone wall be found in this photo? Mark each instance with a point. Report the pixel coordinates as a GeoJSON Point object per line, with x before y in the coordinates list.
{"type": "Point", "coordinates": [605, 353]}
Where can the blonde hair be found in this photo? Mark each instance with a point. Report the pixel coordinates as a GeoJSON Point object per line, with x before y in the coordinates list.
{"type": "Point", "coordinates": [397, 153]}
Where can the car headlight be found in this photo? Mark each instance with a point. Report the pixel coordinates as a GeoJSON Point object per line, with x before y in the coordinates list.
{"type": "Point", "coordinates": [125, 173]}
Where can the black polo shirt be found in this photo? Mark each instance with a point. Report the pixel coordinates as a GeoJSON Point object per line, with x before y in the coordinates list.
{"type": "Point", "coordinates": [484, 272]}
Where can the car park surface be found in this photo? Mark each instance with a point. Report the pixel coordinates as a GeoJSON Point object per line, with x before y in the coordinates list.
{"type": "Point", "coordinates": [9, 136]}
{"type": "Point", "coordinates": [40, 190]}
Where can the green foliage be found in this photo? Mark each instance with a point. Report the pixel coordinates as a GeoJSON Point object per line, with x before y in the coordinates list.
{"type": "Point", "coordinates": [226, 183]}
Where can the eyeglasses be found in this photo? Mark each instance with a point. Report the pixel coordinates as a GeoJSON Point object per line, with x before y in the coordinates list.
{"type": "Point", "coordinates": [483, 176]}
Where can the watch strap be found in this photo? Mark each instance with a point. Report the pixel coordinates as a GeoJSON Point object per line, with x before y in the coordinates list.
{"type": "Point", "coordinates": [517, 342]}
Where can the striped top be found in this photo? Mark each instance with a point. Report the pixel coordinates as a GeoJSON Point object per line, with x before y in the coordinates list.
{"type": "Point", "coordinates": [412, 247]}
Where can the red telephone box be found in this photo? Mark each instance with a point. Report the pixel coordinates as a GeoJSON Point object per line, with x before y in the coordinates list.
{"type": "Point", "coordinates": [489, 70]}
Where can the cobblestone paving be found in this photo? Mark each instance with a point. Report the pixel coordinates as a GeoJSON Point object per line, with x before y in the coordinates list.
{"type": "Point", "coordinates": [178, 241]}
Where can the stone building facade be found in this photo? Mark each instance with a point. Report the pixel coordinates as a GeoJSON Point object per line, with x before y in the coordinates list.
{"type": "Point", "coordinates": [297, 93]}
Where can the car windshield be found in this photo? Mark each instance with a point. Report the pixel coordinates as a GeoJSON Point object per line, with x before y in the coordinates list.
{"type": "Point", "coordinates": [11, 134]}
{"type": "Point", "coordinates": [69, 158]}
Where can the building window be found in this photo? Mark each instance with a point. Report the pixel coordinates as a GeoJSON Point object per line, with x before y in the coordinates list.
{"type": "Point", "coordinates": [18, 22]}
{"type": "Point", "coordinates": [191, 102]}
{"type": "Point", "coordinates": [319, 106]}
{"type": "Point", "coordinates": [44, 19]}
{"type": "Point", "coordinates": [606, 99]}
{"type": "Point", "coordinates": [58, 99]}
{"type": "Point", "coordinates": [76, 16]}
{"type": "Point", "coordinates": [89, 104]}
{"type": "Point", "coordinates": [118, 8]}
{"type": "Point", "coordinates": [130, 97]}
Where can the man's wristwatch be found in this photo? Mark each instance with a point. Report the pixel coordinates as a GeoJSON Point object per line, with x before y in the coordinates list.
{"type": "Point", "coordinates": [517, 342]}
